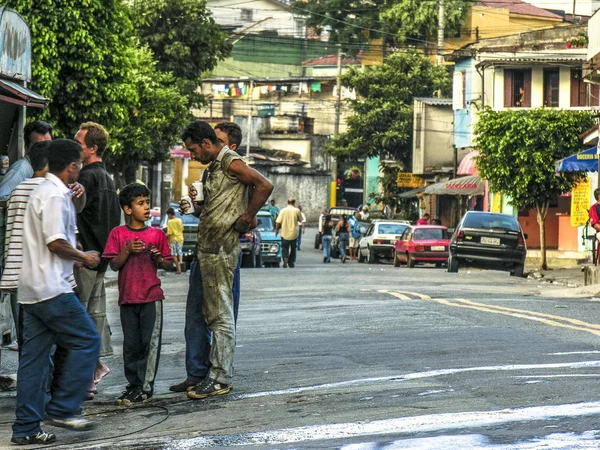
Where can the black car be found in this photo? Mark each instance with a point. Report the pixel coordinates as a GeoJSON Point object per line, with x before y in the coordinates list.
{"type": "Point", "coordinates": [490, 241]}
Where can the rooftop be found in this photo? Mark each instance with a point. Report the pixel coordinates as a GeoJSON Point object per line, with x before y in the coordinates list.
{"type": "Point", "coordinates": [434, 101]}
{"type": "Point", "coordinates": [520, 7]}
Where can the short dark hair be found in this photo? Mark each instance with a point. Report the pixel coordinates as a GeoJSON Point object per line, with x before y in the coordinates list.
{"type": "Point", "coordinates": [39, 127]}
{"type": "Point", "coordinates": [232, 130]}
{"type": "Point", "coordinates": [38, 155]}
{"type": "Point", "coordinates": [197, 131]}
{"type": "Point", "coordinates": [171, 211]}
{"type": "Point", "coordinates": [132, 191]}
{"type": "Point", "coordinates": [61, 153]}
{"type": "Point", "coordinates": [96, 136]}
{"type": "Point", "coordinates": [596, 193]}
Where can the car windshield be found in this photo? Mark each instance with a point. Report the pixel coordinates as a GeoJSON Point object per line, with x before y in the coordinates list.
{"type": "Point", "coordinates": [430, 233]}
{"type": "Point", "coordinates": [490, 221]}
{"type": "Point", "coordinates": [391, 228]}
{"type": "Point", "coordinates": [265, 223]}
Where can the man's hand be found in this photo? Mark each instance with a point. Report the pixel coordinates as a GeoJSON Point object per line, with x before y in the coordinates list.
{"type": "Point", "coordinates": [91, 259]}
{"type": "Point", "coordinates": [136, 246]}
{"type": "Point", "coordinates": [77, 189]}
{"type": "Point", "coordinates": [192, 192]}
{"type": "Point", "coordinates": [245, 223]}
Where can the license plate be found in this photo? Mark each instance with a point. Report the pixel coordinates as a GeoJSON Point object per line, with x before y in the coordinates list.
{"type": "Point", "coordinates": [437, 248]}
{"type": "Point", "coordinates": [490, 241]}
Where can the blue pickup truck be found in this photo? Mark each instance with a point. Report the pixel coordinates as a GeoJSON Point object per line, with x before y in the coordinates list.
{"type": "Point", "coordinates": [270, 244]}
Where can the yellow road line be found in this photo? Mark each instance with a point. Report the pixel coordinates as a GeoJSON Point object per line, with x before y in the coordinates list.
{"type": "Point", "coordinates": [547, 319]}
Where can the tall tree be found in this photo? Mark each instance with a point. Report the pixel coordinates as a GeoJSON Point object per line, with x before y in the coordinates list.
{"type": "Point", "coordinates": [184, 37]}
{"type": "Point", "coordinates": [518, 150]}
{"type": "Point", "coordinates": [382, 114]}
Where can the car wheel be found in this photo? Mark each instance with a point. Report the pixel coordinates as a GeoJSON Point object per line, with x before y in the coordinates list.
{"type": "Point", "coordinates": [518, 271]}
{"type": "Point", "coordinates": [361, 258]}
{"type": "Point", "coordinates": [318, 241]}
{"type": "Point", "coordinates": [248, 261]}
{"type": "Point", "coordinates": [371, 257]}
{"type": "Point", "coordinates": [396, 259]}
{"type": "Point", "coordinates": [452, 265]}
{"type": "Point", "coordinates": [410, 262]}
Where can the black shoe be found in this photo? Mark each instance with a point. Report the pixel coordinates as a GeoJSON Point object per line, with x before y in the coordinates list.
{"type": "Point", "coordinates": [42, 438]}
{"type": "Point", "coordinates": [324, 260]}
{"type": "Point", "coordinates": [209, 388]}
{"type": "Point", "coordinates": [292, 265]}
{"type": "Point", "coordinates": [285, 263]}
{"type": "Point", "coordinates": [184, 386]}
{"type": "Point", "coordinates": [133, 397]}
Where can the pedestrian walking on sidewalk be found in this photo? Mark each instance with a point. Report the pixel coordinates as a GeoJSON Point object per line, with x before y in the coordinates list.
{"type": "Point", "coordinates": [233, 194]}
{"type": "Point", "coordinates": [136, 251]}
{"type": "Point", "coordinates": [301, 229]}
{"type": "Point", "coordinates": [287, 223]}
{"type": "Point", "coordinates": [52, 313]}
{"type": "Point", "coordinates": [343, 233]}
{"type": "Point", "coordinates": [99, 216]}
{"type": "Point", "coordinates": [326, 239]}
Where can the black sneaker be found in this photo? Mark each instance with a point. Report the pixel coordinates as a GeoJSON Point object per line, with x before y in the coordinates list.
{"type": "Point", "coordinates": [42, 438]}
{"type": "Point", "coordinates": [184, 386]}
{"type": "Point", "coordinates": [133, 397]}
{"type": "Point", "coordinates": [209, 388]}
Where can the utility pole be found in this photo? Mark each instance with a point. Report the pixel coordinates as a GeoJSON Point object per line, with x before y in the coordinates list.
{"type": "Point", "coordinates": [249, 136]}
{"type": "Point", "coordinates": [441, 26]}
{"type": "Point", "coordinates": [338, 114]}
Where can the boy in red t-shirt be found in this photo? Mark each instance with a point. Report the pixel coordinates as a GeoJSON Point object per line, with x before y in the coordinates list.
{"type": "Point", "coordinates": [136, 251]}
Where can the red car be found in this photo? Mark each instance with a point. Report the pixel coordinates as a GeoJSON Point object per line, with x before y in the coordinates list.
{"type": "Point", "coordinates": [422, 244]}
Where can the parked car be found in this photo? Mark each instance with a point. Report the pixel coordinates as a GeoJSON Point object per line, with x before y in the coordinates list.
{"type": "Point", "coordinates": [250, 243]}
{"type": "Point", "coordinates": [380, 238]}
{"type": "Point", "coordinates": [270, 243]}
{"type": "Point", "coordinates": [422, 244]}
{"type": "Point", "coordinates": [155, 218]}
{"type": "Point", "coordinates": [190, 232]}
{"type": "Point", "coordinates": [336, 214]}
{"type": "Point", "coordinates": [490, 241]}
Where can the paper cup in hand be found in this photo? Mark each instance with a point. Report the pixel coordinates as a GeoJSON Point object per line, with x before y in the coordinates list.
{"type": "Point", "coordinates": [198, 187]}
{"type": "Point", "coordinates": [187, 205]}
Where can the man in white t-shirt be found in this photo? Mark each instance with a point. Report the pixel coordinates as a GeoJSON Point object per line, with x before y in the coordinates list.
{"type": "Point", "coordinates": [301, 228]}
{"type": "Point", "coordinates": [52, 313]}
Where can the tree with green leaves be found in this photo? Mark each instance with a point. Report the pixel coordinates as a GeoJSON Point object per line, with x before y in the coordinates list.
{"type": "Point", "coordinates": [184, 38]}
{"type": "Point", "coordinates": [518, 150]}
{"type": "Point", "coordinates": [396, 22]}
{"type": "Point", "coordinates": [382, 114]}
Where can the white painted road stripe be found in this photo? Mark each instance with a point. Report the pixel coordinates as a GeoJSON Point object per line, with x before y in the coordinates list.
{"type": "Point", "coordinates": [421, 375]}
{"type": "Point", "coordinates": [395, 426]}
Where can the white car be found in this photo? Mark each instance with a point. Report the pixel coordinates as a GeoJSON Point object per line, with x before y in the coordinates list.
{"type": "Point", "coordinates": [379, 239]}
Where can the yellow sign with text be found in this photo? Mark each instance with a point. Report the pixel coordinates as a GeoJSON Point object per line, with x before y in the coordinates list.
{"type": "Point", "coordinates": [497, 203]}
{"type": "Point", "coordinates": [408, 180]}
{"type": "Point", "coordinates": [580, 203]}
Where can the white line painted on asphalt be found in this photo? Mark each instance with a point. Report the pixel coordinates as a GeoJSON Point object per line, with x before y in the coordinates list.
{"type": "Point", "coordinates": [421, 375]}
{"type": "Point", "coordinates": [587, 352]}
{"type": "Point", "coordinates": [394, 426]}
{"type": "Point", "coordinates": [396, 294]}
{"type": "Point", "coordinates": [574, 375]}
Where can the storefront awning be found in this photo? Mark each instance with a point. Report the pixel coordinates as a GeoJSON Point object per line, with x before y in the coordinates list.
{"type": "Point", "coordinates": [412, 193]}
{"type": "Point", "coordinates": [13, 92]}
{"type": "Point", "coordinates": [585, 161]}
{"type": "Point", "coordinates": [471, 185]}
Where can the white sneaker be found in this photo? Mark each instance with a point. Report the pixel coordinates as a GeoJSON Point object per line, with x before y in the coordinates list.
{"type": "Point", "coordinates": [74, 423]}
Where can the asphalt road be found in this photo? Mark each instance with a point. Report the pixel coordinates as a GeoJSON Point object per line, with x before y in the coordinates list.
{"type": "Point", "coordinates": [359, 356]}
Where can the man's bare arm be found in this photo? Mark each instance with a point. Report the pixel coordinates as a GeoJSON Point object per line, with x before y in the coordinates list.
{"type": "Point", "coordinates": [262, 191]}
{"type": "Point", "coordinates": [64, 250]}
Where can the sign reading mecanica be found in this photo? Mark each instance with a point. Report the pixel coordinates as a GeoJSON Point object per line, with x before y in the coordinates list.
{"type": "Point", "coordinates": [408, 180]}
{"type": "Point", "coordinates": [580, 203]}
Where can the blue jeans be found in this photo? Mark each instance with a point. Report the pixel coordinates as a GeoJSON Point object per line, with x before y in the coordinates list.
{"type": "Point", "coordinates": [62, 320]}
{"type": "Point", "coordinates": [197, 334]}
{"type": "Point", "coordinates": [299, 239]}
{"type": "Point", "coordinates": [327, 246]}
{"type": "Point", "coordinates": [343, 240]}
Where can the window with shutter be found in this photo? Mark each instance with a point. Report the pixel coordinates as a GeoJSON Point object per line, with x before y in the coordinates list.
{"type": "Point", "coordinates": [551, 87]}
{"type": "Point", "coordinates": [517, 88]}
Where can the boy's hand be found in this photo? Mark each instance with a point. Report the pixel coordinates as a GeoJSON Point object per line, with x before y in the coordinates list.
{"type": "Point", "coordinates": [136, 246]}
{"type": "Point", "coordinates": [156, 255]}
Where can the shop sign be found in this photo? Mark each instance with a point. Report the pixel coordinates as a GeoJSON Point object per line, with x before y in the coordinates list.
{"type": "Point", "coordinates": [408, 180]}
{"type": "Point", "coordinates": [15, 46]}
{"type": "Point", "coordinates": [580, 203]}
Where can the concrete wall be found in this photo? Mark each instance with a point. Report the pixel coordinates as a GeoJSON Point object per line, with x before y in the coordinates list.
{"type": "Point", "coordinates": [435, 137]}
{"type": "Point", "coordinates": [308, 187]}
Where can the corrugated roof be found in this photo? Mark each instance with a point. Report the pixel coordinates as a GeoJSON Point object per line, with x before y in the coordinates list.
{"type": "Point", "coordinates": [434, 101]}
{"type": "Point", "coordinates": [331, 60]}
{"type": "Point", "coordinates": [500, 59]}
{"type": "Point", "coordinates": [520, 7]}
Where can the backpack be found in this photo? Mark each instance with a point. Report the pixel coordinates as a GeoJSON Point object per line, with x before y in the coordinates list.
{"type": "Point", "coordinates": [355, 227]}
